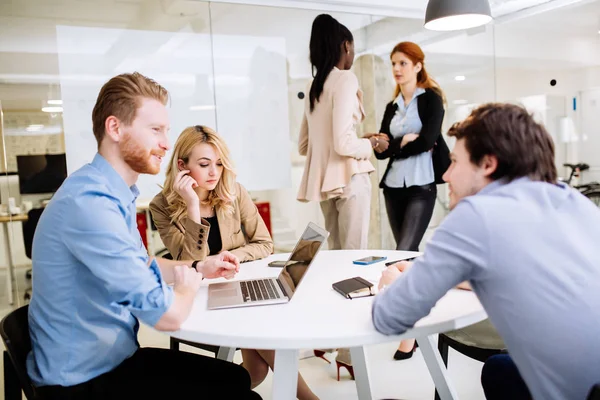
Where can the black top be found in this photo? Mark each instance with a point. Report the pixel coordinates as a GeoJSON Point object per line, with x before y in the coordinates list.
{"type": "Point", "coordinates": [431, 113]}
{"type": "Point", "coordinates": [214, 236]}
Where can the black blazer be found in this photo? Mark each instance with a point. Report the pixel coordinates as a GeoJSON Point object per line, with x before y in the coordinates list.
{"type": "Point", "coordinates": [431, 112]}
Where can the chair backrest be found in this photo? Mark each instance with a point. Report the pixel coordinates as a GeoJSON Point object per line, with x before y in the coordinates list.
{"type": "Point", "coordinates": [594, 393]}
{"type": "Point", "coordinates": [14, 329]}
{"type": "Point", "coordinates": [33, 217]}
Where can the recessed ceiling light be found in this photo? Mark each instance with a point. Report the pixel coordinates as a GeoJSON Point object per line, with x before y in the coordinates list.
{"type": "Point", "coordinates": [34, 128]}
{"type": "Point", "coordinates": [207, 107]}
{"type": "Point", "coordinates": [460, 102]}
{"type": "Point", "coordinates": [460, 78]}
{"type": "Point", "coordinates": [52, 109]}
{"type": "Point", "coordinates": [55, 102]}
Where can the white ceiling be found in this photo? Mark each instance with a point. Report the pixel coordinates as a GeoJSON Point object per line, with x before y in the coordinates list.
{"type": "Point", "coordinates": [396, 8]}
{"type": "Point", "coordinates": [29, 65]}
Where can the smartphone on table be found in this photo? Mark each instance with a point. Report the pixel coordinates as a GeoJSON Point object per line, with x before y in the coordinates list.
{"type": "Point", "coordinates": [277, 264]}
{"type": "Point", "coordinates": [369, 260]}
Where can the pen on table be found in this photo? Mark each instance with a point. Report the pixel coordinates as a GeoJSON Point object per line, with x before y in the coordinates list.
{"type": "Point", "coordinates": [387, 264]}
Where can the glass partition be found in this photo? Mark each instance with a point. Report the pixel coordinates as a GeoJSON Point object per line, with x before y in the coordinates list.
{"type": "Point", "coordinates": [262, 72]}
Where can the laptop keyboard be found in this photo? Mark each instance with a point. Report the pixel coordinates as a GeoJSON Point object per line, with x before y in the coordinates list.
{"type": "Point", "coordinates": [259, 289]}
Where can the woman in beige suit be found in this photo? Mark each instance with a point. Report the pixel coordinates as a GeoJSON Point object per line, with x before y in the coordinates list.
{"type": "Point", "coordinates": [337, 167]}
{"type": "Point", "coordinates": [202, 211]}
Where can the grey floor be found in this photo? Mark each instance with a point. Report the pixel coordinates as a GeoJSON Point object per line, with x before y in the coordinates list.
{"type": "Point", "coordinates": [389, 379]}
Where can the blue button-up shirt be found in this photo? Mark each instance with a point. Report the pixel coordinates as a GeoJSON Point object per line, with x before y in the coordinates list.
{"type": "Point", "coordinates": [416, 170]}
{"type": "Point", "coordinates": [530, 251]}
{"type": "Point", "coordinates": [91, 280]}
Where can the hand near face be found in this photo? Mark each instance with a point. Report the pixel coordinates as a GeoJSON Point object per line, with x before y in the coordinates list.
{"type": "Point", "coordinates": [184, 185]}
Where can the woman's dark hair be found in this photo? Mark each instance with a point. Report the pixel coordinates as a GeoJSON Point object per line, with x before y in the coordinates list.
{"type": "Point", "coordinates": [326, 39]}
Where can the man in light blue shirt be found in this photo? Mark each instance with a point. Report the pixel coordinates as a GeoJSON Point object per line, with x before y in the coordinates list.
{"type": "Point", "coordinates": [529, 248]}
{"type": "Point", "coordinates": [93, 280]}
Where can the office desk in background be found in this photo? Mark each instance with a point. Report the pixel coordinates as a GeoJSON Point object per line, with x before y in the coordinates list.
{"type": "Point", "coordinates": [318, 317]}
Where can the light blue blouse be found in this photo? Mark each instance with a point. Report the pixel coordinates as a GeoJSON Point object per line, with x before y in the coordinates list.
{"type": "Point", "coordinates": [416, 170]}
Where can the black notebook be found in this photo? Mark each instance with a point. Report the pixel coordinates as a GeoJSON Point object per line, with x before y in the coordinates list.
{"type": "Point", "coordinates": [354, 287]}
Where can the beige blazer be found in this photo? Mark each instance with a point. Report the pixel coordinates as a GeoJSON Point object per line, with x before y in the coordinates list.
{"type": "Point", "coordinates": [244, 232]}
{"type": "Point", "coordinates": [328, 139]}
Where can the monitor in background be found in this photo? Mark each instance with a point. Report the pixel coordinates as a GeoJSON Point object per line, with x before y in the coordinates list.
{"type": "Point", "coordinates": [41, 173]}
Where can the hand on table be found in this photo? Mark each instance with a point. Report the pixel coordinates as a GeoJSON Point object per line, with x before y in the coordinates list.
{"type": "Point", "coordinates": [223, 265]}
{"type": "Point", "coordinates": [393, 272]}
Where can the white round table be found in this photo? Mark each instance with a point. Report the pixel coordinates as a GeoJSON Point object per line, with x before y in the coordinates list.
{"type": "Point", "coordinates": [319, 317]}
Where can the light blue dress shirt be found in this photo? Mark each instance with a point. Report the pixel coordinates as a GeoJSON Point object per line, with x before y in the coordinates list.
{"type": "Point", "coordinates": [416, 170]}
{"type": "Point", "coordinates": [530, 251]}
{"type": "Point", "coordinates": [91, 281]}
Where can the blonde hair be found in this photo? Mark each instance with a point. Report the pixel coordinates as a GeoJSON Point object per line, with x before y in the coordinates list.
{"type": "Point", "coordinates": [416, 55]}
{"type": "Point", "coordinates": [223, 194]}
{"type": "Point", "coordinates": [121, 96]}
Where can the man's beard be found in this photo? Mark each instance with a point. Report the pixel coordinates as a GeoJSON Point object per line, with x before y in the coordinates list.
{"type": "Point", "coordinates": [139, 159]}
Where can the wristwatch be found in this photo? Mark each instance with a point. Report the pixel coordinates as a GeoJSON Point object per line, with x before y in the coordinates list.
{"type": "Point", "coordinates": [194, 264]}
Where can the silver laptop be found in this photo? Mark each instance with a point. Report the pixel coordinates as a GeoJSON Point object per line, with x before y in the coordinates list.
{"type": "Point", "coordinates": [258, 292]}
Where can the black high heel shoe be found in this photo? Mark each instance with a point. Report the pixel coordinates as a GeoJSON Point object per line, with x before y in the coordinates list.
{"type": "Point", "coordinates": [400, 355]}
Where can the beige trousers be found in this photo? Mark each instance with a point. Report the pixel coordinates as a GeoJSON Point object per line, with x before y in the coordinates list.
{"type": "Point", "coordinates": [347, 216]}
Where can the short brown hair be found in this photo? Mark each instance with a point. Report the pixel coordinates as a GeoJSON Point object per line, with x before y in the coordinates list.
{"type": "Point", "coordinates": [121, 96]}
{"type": "Point", "coordinates": [522, 146]}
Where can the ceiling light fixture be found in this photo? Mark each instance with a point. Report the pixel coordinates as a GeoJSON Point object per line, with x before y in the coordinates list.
{"type": "Point", "coordinates": [52, 109]}
{"type": "Point", "coordinates": [207, 107]}
{"type": "Point", "coordinates": [55, 102]}
{"type": "Point", "coordinates": [459, 78]}
{"type": "Point", "coordinates": [460, 102]}
{"type": "Point", "coordinates": [453, 15]}
{"type": "Point", "coordinates": [34, 128]}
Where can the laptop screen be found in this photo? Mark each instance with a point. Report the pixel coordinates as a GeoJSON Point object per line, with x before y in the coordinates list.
{"type": "Point", "coordinates": [305, 251]}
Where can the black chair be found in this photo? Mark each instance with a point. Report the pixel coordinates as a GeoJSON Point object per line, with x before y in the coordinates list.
{"type": "Point", "coordinates": [33, 217]}
{"type": "Point", "coordinates": [594, 393]}
{"type": "Point", "coordinates": [14, 329]}
{"type": "Point", "coordinates": [479, 342]}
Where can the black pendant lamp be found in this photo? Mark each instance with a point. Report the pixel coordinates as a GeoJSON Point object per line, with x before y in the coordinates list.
{"type": "Point", "coordinates": [453, 15]}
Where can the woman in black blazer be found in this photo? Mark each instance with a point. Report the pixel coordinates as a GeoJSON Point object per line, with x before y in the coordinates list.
{"type": "Point", "coordinates": [417, 152]}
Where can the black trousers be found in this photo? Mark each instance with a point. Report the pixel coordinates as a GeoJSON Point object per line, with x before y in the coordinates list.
{"type": "Point", "coordinates": [409, 210]}
{"type": "Point", "coordinates": [501, 379]}
{"type": "Point", "coordinates": [161, 374]}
